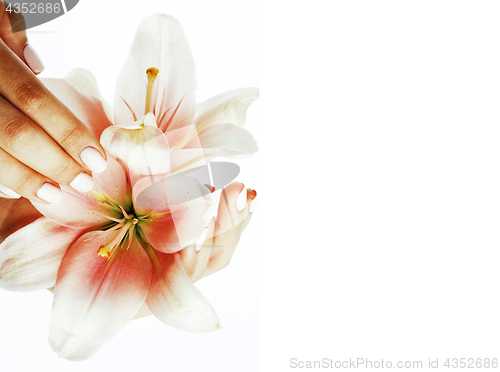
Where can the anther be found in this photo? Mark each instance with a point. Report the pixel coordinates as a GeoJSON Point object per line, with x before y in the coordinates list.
{"type": "Point", "coordinates": [104, 251]}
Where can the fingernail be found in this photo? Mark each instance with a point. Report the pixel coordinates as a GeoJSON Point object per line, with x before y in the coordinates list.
{"type": "Point", "coordinates": [49, 193]}
{"type": "Point", "coordinates": [9, 192]}
{"type": "Point", "coordinates": [94, 160]}
{"type": "Point", "coordinates": [33, 59]}
{"type": "Point", "coordinates": [253, 204]}
{"type": "Point", "coordinates": [83, 182]}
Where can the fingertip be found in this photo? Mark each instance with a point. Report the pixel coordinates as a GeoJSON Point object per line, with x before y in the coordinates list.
{"type": "Point", "coordinates": [94, 160]}
{"type": "Point", "coordinates": [13, 32]}
{"type": "Point", "coordinates": [50, 193]}
{"type": "Point", "coordinates": [253, 204]}
{"type": "Point", "coordinates": [251, 194]}
{"type": "Point", "coordinates": [32, 59]}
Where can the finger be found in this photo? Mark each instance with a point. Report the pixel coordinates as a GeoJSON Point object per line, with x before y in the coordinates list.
{"type": "Point", "coordinates": [26, 182]}
{"type": "Point", "coordinates": [16, 41]}
{"type": "Point", "coordinates": [10, 21]}
{"type": "Point", "coordinates": [21, 88]}
{"type": "Point", "coordinates": [27, 142]}
{"type": "Point", "coordinates": [15, 214]}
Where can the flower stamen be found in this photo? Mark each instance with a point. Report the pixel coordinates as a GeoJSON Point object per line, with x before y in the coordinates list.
{"type": "Point", "coordinates": [152, 73]}
{"type": "Point", "coordinates": [118, 220]}
{"type": "Point", "coordinates": [106, 250]}
{"type": "Point", "coordinates": [130, 108]}
{"type": "Point", "coordinates": [130, 236]}
{"type": "Point", "coordinates": [125, 214]}
{"type": "Point", "coordinates": [165, 127]}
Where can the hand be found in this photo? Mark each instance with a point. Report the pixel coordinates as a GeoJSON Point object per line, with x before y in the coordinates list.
{"type": "Point", "coordinates": [42, 144]}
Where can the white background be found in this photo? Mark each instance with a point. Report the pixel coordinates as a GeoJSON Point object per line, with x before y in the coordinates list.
{"type": "Point", "coordinates": [97, 35]}
{"type": "Point", "coordinates": [380, 213]}
{"type": "Point", "coordinates": [379, 197]}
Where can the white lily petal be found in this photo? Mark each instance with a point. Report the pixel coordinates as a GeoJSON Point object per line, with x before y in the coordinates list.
{"type": "Point", "coordinates": [179, 205]}
{"type": "Point", "coordinates": [160, 42]}
{"type": "Point", "coordinates": [144, 151]}
{"type": "Point", "coordinates": [176, 301]}
{"type": "Point", "coordinates": [30, 258]}
{"type": "Point", "coordinates": [228, 107]}
{"type": "Point", "coordinates": [226, 140]}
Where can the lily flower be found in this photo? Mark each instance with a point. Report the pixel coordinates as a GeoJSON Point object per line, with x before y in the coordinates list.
{"type": "Point", "coordinates": [133, 242]}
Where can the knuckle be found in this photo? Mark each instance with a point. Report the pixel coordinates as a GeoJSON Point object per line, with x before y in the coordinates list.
{"type": "Point", "coordinates": [23, 182]}
{"type": "Point", "coordinates": [18, 133]}
{"type": "Point", "coordinates": [69, 136]}
{"type": "Point", "coordinates": [65, 171]}
{"type": "Point", "coordinates": [30, 98]}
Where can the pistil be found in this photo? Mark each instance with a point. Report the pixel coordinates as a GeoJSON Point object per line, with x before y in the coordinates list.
{"type": "Point", "coordinates": [106, 250]}
{"type": "Point", "coordinates": [152, 73]}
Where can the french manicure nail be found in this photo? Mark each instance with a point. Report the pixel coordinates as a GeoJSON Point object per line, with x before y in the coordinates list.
{"type": "Point", "coordinates": [83, 182]}
{"type": "Point", "coordinates": [94, 160]}
{"type": "Point", "coordinates": [9, 192]}
{"type": "Point", "coordinates": [253, 204]}
{"type": "Point", "coordinates": [49, 193]}
{"type": "Point", "coordinates": [33, 59]}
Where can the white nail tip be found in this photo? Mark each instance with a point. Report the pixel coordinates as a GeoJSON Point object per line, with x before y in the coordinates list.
{"type": "Point", "coordinates": [9, 192]}
{"type": "Point", "coordinates": [83, 182]}
{"type": "Point", "coordinates": [49, 193]}
{"type": "Point", "coordinates": [253, 204]}
{"type": "Point", "coordinates": [94, 160]}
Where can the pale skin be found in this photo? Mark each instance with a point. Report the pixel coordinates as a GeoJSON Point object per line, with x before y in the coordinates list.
{"type": "Point", "coordinates": [40, 139]}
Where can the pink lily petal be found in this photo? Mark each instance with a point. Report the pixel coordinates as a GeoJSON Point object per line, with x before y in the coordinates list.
{"type": "Point", "coordinates": [176, 136]}
{"type": "Point", "coordinates": [85, 107]}
{"type": "Point", "coordinates": [179, 208]}
{"type": "Point", "coordinates": [160, 42]}
{"type": "Point", "coordinates": [176, 301]}
{"type": "Point", "coordinates": [30, 258]}
{"type": "Point", "coordinates": [225, 140]}
{"type": "Point", "coordinates": [85, 82]}
{"type": "Point", "coordinates": [229, 226]}
{"type": "Point", "coordinates": [15, 214]}
{"type": "Point", "coordinates": [82, 210]}
{"type": "Point", "coordinates": [143, 312]}
{"type": "Point", "coordinates": [181, 158]}
{"type": "Point", "coordinates": [228, 107]}
{"type": "Point", "coordinates": [94, 301]}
